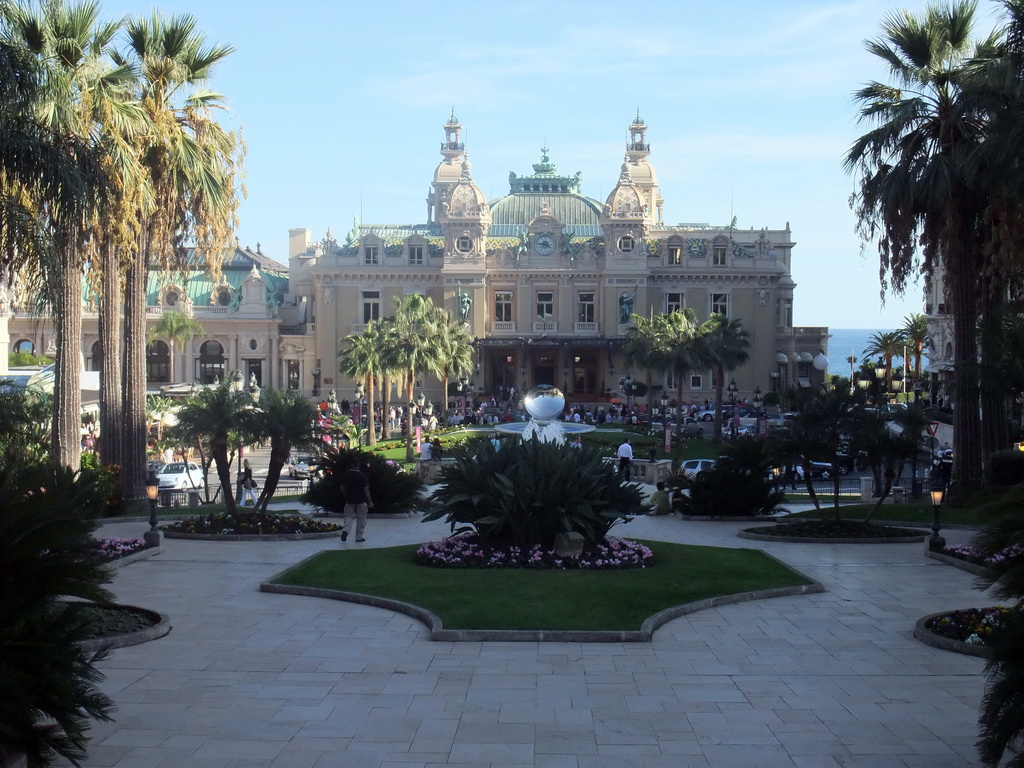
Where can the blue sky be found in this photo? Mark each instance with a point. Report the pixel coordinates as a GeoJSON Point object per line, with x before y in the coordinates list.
{"type": "Point", "coordinates": [749, 107]}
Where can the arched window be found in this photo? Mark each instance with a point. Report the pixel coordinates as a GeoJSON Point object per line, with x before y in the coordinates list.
{"type": "Point", "coordinates": [24, 345]}
{"type": "Point", "coordinates": [224, 296]}
{"type": "Point", "coordinates": [96, 363]}
{"type": "Point", "coordinates": [211, 362]}
{"type": "Point", "coordinates": [158, 362]}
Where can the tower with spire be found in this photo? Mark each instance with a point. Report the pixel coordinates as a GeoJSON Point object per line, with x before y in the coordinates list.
{"type": "Point", "coordinates": [449, 170]}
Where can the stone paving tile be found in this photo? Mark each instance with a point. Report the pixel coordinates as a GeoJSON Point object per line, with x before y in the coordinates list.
{"type": "Point", "coordinates": [813, 681]}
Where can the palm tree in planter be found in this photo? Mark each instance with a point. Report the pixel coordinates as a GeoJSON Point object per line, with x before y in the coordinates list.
{"type": "Point", "coordinates": [915, 332]}
{"type": "Point", "coordinates": [177, 328]}
{"type": "Point", "coordinates": [288, 421]}
{"type": "Point", "coordinates": [726, 346]}
{"type": "Point", "coordinates": [361, 361]}
{"type": "Point", "coordinates": [221, 417]}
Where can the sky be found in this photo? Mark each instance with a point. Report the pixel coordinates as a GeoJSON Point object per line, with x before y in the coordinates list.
{"type": "Point", "coordinates": [749, 107]}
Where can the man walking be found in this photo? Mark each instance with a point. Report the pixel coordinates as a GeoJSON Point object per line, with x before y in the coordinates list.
{"type": "Point", "coordinates": [625, 457]}
{"type": "Point", "coordinates": [356, 487]}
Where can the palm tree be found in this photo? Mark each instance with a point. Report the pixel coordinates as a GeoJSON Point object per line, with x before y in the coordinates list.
{"type": "Point", "coordinates": [915, 334]}
{"type": "Point", "coordinates": [886, 345]}
{"type": "Point", "coordinates": [915, 180]}
{"type": "Point", "coordinates": [176, 327]}
{"type": "Point", "coordinates": [455, 348]}
{"type": "Point", "coordinates": [191, 164]}
{"type": "Point", "coordinates": [412, 343]}
{"type": "Point", "coordinates": [217, 415]}
{"type": "Point", "coordinates": [725, 347]}
{"type": "Point", "coordinates": [666, 343]}
{"type": "Point", "coordinates": [83, 91]}
{"type": "Point", "coordinates": [288, 421]}
{"type": "Point", "coordinates": [360, 360]}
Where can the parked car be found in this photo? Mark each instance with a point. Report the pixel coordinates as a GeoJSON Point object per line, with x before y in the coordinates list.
{"type": "Point", "coordinates": [179, 475]}
{"type": "Point", "coordinates": [692, 426]}
{"type": "Point", "coordinates": [694, 468]}
{"type": "Point", "coordinates": [155, 465]}
{"type": "Point", "coordinates": [302, 467]}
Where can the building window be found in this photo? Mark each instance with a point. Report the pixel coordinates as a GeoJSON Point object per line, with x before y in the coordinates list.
{"type": "Point", "coordinates": [463, 244]}
{"type": "Point", "coordinates": [371, 254]}
{"type": "Point", "coordinates": [586, 308]}
{"type": "Point", "coordinates": [696, 382]}
{"type": "Point", "coordinates": [718, 252]}
{"type": "Point", "coordinates": [211, 362]}
{"type": "Point", "coordinates": [626, 244]}
{"type": "Point", "coordinates": [224, 297]}
{"type": "Point", "coordinates": [675, 253]}
{"type": "Point", "coordinates": [171, 298]}
{"type": "Point", "coordinates": [293, 375]}
{"type": "Point", "coordinates": [545, 305]}
{"type": "Point", "coordinates": [24, 345]}
{"type": "Point", "coordinates": [158, 362]}
{"type": "Point", "coordinates": [371, 306]}
{"type": "Point", "coordinates": [720, 304]}
{"type": "Point", "coordinates": [416, 255]}
{"type": "Point", "coordinates": [673, 302]}
{"type": "Point", "coordinates": [503, 306]}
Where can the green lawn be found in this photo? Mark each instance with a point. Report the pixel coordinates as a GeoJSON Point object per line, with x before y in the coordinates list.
{"type": "Point", "coordinates": [549, 600]}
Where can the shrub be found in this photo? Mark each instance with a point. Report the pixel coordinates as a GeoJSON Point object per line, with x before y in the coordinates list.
{"type": "Point", "coordinates": [739, 484]}
{"type": "Point", "coordinates": [106, 480]}
{"type": "Point", "coordinates": [48, 687]}
{"type": "Point", "coordinates": [530, 491]}
{"type": "Point", "coordinates": [391, 488]}
{"type": "Point", "coordinates": [1008, 467]}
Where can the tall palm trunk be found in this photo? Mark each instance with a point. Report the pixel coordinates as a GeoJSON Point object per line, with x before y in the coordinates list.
{"type": "Point", "coordinates": [371, 425]}
{"type": "Point", "coordinates": [719, 385]}
{"type": "Point", "coordinates": [962, 287]}
{"type": "Point", "coordinates": [409, 383]}
{"type": "Point", "coordinates": [133, 469]}
{"type": "Point", "coordinates": [67, 385]}
{"type": "Point", "coordinates": [111, 422]}
{"type": "Point", "coordinates": [385, 407]}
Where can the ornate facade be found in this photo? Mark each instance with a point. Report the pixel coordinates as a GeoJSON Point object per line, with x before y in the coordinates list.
{"type": "Point", "coordinates": [544, 277]}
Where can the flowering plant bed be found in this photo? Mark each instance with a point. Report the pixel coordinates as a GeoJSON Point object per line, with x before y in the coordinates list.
{"type": "Point", "coordinates": [465, 551]}
{"type": "Point", "coordinates": [105, 620]}
{"type": "Point", "coordinates": [973, 626]}
{"type": "Point", "coordinates": [974, 556]}
{"type": "Point", "coordinates": [108, 550]}
{"type": "Point", "coordinates": [851, 530]}
{"type": "Point", "coordinates": [250, 524]}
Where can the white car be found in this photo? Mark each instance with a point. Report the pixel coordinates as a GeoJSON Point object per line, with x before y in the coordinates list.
{"type": "Point", "coordinates": [694, 468]}
{"type": "Point", "coordinates": [179, 475]}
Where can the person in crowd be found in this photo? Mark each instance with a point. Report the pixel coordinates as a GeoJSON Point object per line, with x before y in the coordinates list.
{"type": "Point", "coordinates": [660, 502]}
{"type": "Point", "coordinates": [625, 455]}
{"type": "Point", "coordinates": [356, 487]}
{"type": "Point", "coordinates": [248, 484]}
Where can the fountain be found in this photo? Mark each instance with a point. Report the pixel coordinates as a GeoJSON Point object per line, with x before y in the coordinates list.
{"type": "Point", "coordinates": [545, 404]}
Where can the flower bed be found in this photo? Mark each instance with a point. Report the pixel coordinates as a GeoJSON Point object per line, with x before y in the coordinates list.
{"type": "Point", "coordinates": [108, 550]}
{"type": "Point", "coordinates": [974, 556]}
{"type": "Point", "coordinates": [973, 626]}
{"type": "Point", "coordinates": [250, 524]}
{"type": "Point", "coordinates": [465, 551]}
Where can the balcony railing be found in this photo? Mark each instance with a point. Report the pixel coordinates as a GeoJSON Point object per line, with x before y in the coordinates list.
{"type": "Point", "coordinates": [502, 326]}
{"type": "Point", "coordinates": [544, 327]}
{"type": "Point", "coordinates": [590, 328]}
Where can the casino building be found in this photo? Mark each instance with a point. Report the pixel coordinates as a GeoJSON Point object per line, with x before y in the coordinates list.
{"type": "Point", "coordinates": [552, 277]}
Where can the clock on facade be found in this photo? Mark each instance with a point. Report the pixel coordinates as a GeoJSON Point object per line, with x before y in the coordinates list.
{"type": "Point", "coordinates": [544, 245]}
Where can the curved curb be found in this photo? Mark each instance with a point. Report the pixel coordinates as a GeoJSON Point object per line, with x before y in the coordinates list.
{"type": "Point", "coordinates": [928, 637]}
{"type": "Point", "coordinates": [161, 628]}
{"type": "Point", "coordinates": [134, 557]}
{"type": "Point", "coordinates": [249, 536]}
{"type": "Point", "coordinates": [644, 635]}
{"type": "Point", "coordinates": [963, 565]}
{"type": "Point", "coordinates": [806, 540]}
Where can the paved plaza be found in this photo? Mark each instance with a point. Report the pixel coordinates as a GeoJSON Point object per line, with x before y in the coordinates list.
{"type": "Point", "coordinates": [247, 679]}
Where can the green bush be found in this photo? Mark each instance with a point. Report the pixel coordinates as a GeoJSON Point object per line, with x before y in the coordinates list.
{"type": "Point", "coordinates": [48, 689]}
{"type": "Point", "coordinates": [392, 489]}
{"type": "Point", "coordinates": [106, 480]}
{"type": "Point", "coordinates": [23, 359]}
{"type": "Point", "coordinates": [739, 484]}
{"type": "Point", "coordinates": [1008, 467]}
{"type": "Point", "coordinates": [530, 491]}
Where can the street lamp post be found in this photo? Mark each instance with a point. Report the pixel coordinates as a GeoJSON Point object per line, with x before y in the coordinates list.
{"type": "Point", "coordinates": [152, 536]}
{"type": "Point", "coordinates": [732, 389]}
{"type": "Point", "coordinates": [758, 403]}
{"type": "Point", "coordinates": [938, 490]}
{"type": "Point", "coordinates": [915, 482]}
{"type": "Point", "coordinates": [463, 388]}
{"type": "Point", "coordinates": [626, 385]}
{"type": "Point", "coordinates": [880, 371]}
